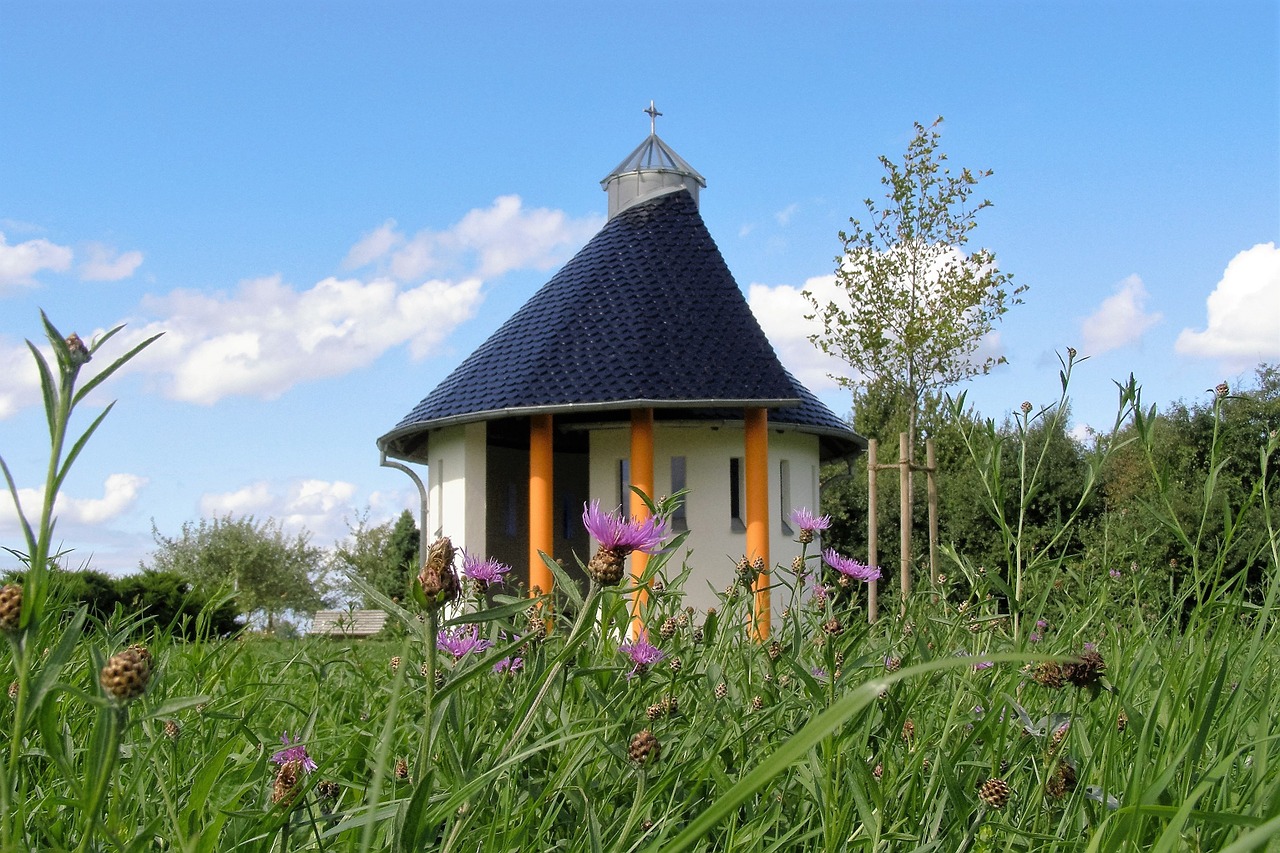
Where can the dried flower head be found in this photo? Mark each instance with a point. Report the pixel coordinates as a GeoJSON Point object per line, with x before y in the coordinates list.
{"type": "Point", "coordinates": [10, 608]}
{"type": "Point", "coordinates": [833, 627]}
{"type": "Point", "coordinates": [1085, 670]}
{"type": "Point", "coordinates": [1048, 674]}
{"type": "Point", "coordinates": [1062, 782]}
{"type": "Point", "coordinates": [172, 730]}
{"type": "Point", "coordinates": [1026, 407]}
{"type": "Point", "coordinates": [287, 784]}
{"type": "Point", "coordinates": [437, 580]}
{"type": "Point", "coordinates": [995, 793]}
{"type": "Point", "coordinates": [909, 730]}
{"type": "Point", "coordinates": [13, 690]}
{"type": "Point", "coordinates": [395, 664]}
{"type": "Point", "coordinates": [721, 690]}
{"type": "Point", "coordinates": [126, 675]}
{"type": "Point", "coordinates": [668, 629]}
{"type": "Point", "coordinates": [644, 748]}
{"type": "Point", "coordinates": [1122, 721]}
{"type": "Point", "coordinates": [327, 789]}
{"type": "Point", "coordinates": [1221, 390]}
{"type": "Point", "coordinates": [775, 650]}
{"type": "Point", "coordinates": [1071, 352]}
{"type": "Point", "coordinates": [402, 770]}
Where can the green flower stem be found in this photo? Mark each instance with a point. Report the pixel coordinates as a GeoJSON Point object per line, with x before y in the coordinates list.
{"type": "Point", "coordinates": [576, 635]}
{"type": "Point", "coordinates": [420, 768]}
{"type": "Point", "coordinates": [108, 749]}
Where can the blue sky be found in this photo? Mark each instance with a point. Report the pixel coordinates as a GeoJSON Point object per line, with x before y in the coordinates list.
{"type": "Point", "coordinates": [326, 206]}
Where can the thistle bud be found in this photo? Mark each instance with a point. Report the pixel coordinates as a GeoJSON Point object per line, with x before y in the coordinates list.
{"type": "Point", "coordinates": [125, 676]}
{"type": "Point", "coordinates": [10, 608]}
{"type": "Point", "coordinates": [437, 579]}
{"type": "Point", "coordinates": [644, 748]}
{"type": "Point", "coordinates": [78, 351]}
{"type": "Point", "coordinates": [994, 793]}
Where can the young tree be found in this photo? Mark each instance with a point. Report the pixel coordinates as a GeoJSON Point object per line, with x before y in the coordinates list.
{"type": "Point", "coordinates": [918, 307]}
{"type": "Point", "coordinates": [385, 556]}
{"type": "Point", "coordinates": [270, 571]}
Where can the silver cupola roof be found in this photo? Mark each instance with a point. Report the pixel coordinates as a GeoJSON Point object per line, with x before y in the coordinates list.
{"type": "Point", "coordinates": [652, 169]}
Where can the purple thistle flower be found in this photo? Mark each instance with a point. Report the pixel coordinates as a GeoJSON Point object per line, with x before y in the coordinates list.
{"type": "Point", "coordinates": [462, 641]}
{"type": "Point", "coordinates": [1041, 624]}
{"type": "Point", "coordinates": [809, 523]}
{"type": "Point", "coordinates": [642, 654]}
{"type": "Point", "coordinates": [508, 666]}
{"type": "Point", "coordinates": [1034, 638]}
{"type": "Point", "coordinates": [294, 751]}
{"type": "Point", "coordinates": [1115, 574]}
{"type": "Point", "coordinates": [819, 594]}
{"type": "Point", "coordinates": [849, 567]}
{"type": "Point", "coordinates": [614, 531]}
{"type": "Point", "coordinates": [485, 571]}
{"type": "Point", "coordinates": [982, 664]}
{"type": "Point", "coordinates": [818, 673]}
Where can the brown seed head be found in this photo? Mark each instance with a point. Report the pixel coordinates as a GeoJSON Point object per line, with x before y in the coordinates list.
{"type": "Point", "coordinates": [721, 691]}
{"type": "Point", "coordinates": [644, 748]}
{"type": "Point", "coordinates": [1048, 674]}
{"type": "Point", "coordinates": [402, 770]}
{"type": "Point", "coordinates": [757, 703]}
{"type": "Point", "coordinates": [125, 675]}
{"type": "Point", "coordinates": [995, 793]}
{"type": "Point", "coordinates": [668, 629]}
{"type": "Point", "coordinates": [606, 567]}
{"type": "Point", "coordinates": [1062, 782]}
{"type": "Point", "coordinates": [395, 663]}
{"type": "Point", "coordinates": [13, 690]}
{"type": "Point", "coordinates": [172, 730]}
{"type": "Point", "coordinates": [1122, 721]}
{"type": "Point", "coordinates": [1026, 407]}
{"type": "Point", "coordinates": [288, 781]}
{"type": "Point", "coordinates": [327, 789]}
{"type": "Point", "coordinates": [1085, 670]}
{"type": "Point", "coordinates": [775, 650]}
{"type": "Point", "coordinates": [10, 608]}
{"type": "Point", "coordinates": [909, 730]}
{"type": "Point", "coordinates": [833, 627]}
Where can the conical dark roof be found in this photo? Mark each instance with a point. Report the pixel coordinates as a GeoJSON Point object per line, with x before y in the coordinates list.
{"type": "Point", "coordinates": [646, 314]}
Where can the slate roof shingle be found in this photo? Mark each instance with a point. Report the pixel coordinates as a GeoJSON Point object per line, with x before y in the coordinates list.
{"type": "Point", "coordinates": [647, 313]}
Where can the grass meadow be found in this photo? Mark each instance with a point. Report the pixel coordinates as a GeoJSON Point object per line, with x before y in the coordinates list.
{"type": "Point", "coordinates": [1042, 705]}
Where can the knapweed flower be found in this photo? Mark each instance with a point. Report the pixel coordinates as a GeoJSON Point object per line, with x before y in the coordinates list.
{"type": "Point", "coordinates": [642, 654]}
{"type": "Point", "coordinates": [1115, 574]}
{"type": "Point", "coordinates": [849, 567]}
{"type": "Point", "coordinates": [125, 675]}
{"type": "Point", "coordinates": [483, 572]}
{"type": "Point", "coordinates": [10, 608]}
{"type": "Point", "coordinates": [619, 536]}
{"type": "Point", "coordinates": [294, 751]}
{"type": "Point", "coordinates": [809, 523]}
{"type": "Point", "coordinates": [508, 666]}
{"type": "Point", "coordinates": [462, 641]}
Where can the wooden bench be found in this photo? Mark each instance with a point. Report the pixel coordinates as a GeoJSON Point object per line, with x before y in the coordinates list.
{"type": "Point", "coordinates": [348, 623]}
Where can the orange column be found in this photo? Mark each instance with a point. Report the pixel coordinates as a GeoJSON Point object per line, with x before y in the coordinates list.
{"type": "Point", "coordinates": [641, 478]}
{"type": "Point", "coordinates": [757, 489]}
{"type": "Point", "coordinates": [541, 521]}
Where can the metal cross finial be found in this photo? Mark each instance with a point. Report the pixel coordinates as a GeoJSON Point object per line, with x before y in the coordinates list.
{"type": "Point", "coordinates": [653, 118]}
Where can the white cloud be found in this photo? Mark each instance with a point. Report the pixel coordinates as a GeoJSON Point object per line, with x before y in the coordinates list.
{"type": "Point", "coordinates": [105, 263]}
{"type": "Point", "coordinates": [19, 263]}
{"type": "Point", "coordinates": [268, 337]}
{"type": "Point", "coordinates": [486, 242]}
{"type": "Point", "coordinates": [373, 245]}
{"type": "Point", "coordinates": [119, 493]}
{"type": "Point", "coordinates": [783, 216]}
{"type": "Point", "coordinates": [319, 506]}
{"type": "Point", "coordinates": [19, 382]}
{"type": "Point", "coordinates": [1243, 325]}
{"type": "Point", "coordinates": [1121, 319]}
{"type": "Point", "coordinates": [781, 313]}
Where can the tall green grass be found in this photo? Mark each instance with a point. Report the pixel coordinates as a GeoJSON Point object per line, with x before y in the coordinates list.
{"type": "Point", "coordinates": [832, 735]}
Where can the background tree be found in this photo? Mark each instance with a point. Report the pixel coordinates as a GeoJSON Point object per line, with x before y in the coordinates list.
{"type": "Point", "coordinates": [385, 556]}
{"type": "Point", "coordinates": [270, 571]}
{"type": "Point", "coordinates": [917, 306]}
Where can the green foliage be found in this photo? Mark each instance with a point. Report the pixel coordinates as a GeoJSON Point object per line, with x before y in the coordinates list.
{"type": "Point", "coordinates": [915, 306]}
{"type": "Point", "coordinates": [383, 556]}
{"type": "Point", "coordinates": [945, 728]}
{"type": "Point", "coordinates": [270, 571]}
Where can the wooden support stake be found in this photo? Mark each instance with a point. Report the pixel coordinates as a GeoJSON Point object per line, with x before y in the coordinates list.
{"type": "Point", "coordinates": [873, 588]}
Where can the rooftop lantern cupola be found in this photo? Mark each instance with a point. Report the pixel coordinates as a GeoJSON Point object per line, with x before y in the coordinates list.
{"type": "Point", "coordinates": [649, 171]}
